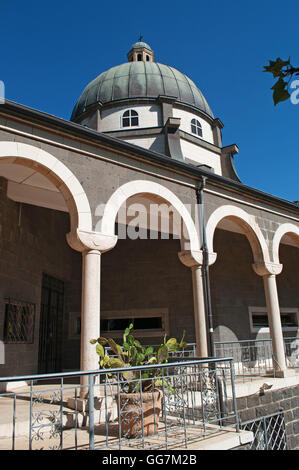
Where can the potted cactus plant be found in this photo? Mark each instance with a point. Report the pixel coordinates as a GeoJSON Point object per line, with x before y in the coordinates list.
{"type": "Point", "coordinates": [139, 395]}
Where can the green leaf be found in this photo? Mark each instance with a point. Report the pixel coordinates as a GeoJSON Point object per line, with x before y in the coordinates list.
{"type": "Point", "coordinates": [172, 344]}
{"type": "Point", "coordinates": [100, 350]}
{"type": "Point", "coordinates": [140, 358]}
{"type": "Point", "coordinates": [102, 340]}
{"type": "Point", "coordinates": [127, 331]}
{"type": "Point", "coordinates": [115, 362]}
{"type": "Point", "coordinates": [275, 67]}
{"type": "Point", "coordinates": [115, 347]}
{"type": "Point", "coordinates": [137, 344]}
{"type": "Point", "coordinates": [280, 92]}
{"type": "Point", "coordinates": [162, 353]}
{"type": "Point", "coordinates": [149, 351]}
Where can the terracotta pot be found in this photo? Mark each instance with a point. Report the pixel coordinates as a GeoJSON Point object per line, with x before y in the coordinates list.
{"type": "Point", "coordinates": [133, 415]}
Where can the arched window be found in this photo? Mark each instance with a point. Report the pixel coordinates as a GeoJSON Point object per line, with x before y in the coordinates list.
{"type": "Point", "coordinates": [139, 57]}
{"type": "Point", "coordinates": [196, 127]}
{"type": "Point", "coordinates": [130, 118]}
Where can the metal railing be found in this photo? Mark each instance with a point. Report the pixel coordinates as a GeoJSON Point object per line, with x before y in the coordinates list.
{"type": "Point", "coordinates": [269, 432]}
{"type": "Point", "coordinates": [187, 352]}
{"type": "Point", "coordinates": [169, 406]}
{"type": "Point", "coordinates": [292, 351]}
{"type": "Point", "coordinates": [251, 357]}
{"type": "Point", "coordinates": [255, 357]}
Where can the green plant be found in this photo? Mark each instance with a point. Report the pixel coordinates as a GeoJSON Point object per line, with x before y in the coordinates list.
{"type": "Point", "coordinates": [131, 353]}
{"type": "Point", "coordinates": [284, 72]}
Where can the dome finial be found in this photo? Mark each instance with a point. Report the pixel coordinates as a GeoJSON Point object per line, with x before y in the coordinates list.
{"type": "Point", "coordinates": [141, 52]}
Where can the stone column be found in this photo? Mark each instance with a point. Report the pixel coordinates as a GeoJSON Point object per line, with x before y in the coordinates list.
{"type": "Point", "coordinates": [199, 312]}
{"type": "Point", "coordinates": [91, 244]}
{"type": "Point", "coordinates": [193, 259]}
{"type": "Point", "coordinates": [90, 312]}
{"type": "Point", "coordinates": [269, 271]}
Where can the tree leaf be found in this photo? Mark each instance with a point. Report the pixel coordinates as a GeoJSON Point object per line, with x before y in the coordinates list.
{"type": "Point", "coordinates": [280, 92]}
{"type": "Point", "coordinates": [275, 67]}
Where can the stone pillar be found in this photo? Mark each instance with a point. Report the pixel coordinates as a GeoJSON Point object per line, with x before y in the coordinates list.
{"type": "Point", "coordinates": [91, 244]}
{"type": "Point", "coordinates": [199, 312]}
{"type": "Point", "coordinates": [90, 312]}
{"type": "Point", "coordinates": [275, 327]}
{"type": "Point", "coordinates": [193, 259]}
{"type": "Point", "coordinates": [269, 271]}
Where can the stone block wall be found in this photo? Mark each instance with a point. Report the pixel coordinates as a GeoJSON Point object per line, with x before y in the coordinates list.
{"type": "Point", "coordinates": [285, 399]}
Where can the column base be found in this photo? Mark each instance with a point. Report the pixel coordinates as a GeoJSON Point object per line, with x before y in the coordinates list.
{"type": "Point", "coordinates": [282, 374]}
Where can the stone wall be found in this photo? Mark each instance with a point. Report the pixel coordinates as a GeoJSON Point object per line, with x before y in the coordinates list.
{"type": "Point", "coordinates": [285, 399]}
{"type": "Point", "coordinates": [32, 242]}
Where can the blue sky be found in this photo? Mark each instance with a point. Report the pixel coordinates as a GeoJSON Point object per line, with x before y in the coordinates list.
{"type": "Point", "coordinates": [51, 50]}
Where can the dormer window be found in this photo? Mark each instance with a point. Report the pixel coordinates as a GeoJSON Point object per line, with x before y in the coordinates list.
{"type": "Point", "coordinates": [196, 127]}
{"type": "Point", "coordinates": [130, 118]}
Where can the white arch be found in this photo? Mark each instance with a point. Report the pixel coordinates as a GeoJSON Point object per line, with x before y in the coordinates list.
{"type": "Point", "coordinates": [49, 166]}
{"type": "Point", "coordinates": [244, 220]}
{"type": "Point", "coordinates": [142, 186]}
{"type": "Point", "coordinates": [280, 232]}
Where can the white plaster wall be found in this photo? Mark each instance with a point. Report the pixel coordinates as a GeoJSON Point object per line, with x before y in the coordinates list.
{"type": "Point", "coordinates": [149, 116]}
{"type": "Point", "coordinates": [198, 155]}
{"type": "Point", "coordinates": [186, 117]}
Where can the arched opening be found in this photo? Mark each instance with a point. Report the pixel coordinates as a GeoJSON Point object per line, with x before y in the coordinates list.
{"type": "Point", "coordinates": [143, 279]}
{"type": "Point", "coordinates": [285, 251]}
{"type": "Point", "coordinates": [41, 201]}
{"type": "Point", "coordinates": [235, 288]}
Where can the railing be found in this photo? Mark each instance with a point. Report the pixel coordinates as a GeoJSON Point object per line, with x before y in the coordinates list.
{"type": "Point", "coordinates": [292, 351]}
{"type": "Point", "coordinates": [187, 352]}
{"type": "Point", "coordinates": [169, 406]}
{"type": "Point", "coordinates": [255, 357]}
{"type": "Point", "coordinates": [269, 432]}
{"type": "Point", "coordinates": [250, 357]}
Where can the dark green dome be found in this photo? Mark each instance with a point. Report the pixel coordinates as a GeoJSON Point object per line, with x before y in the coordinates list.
{"type": "Point", "coordinates": [140, 80]}
{"type": "Point", "coordinates": [140, 44]}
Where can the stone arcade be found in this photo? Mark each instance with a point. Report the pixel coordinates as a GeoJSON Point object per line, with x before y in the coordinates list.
{"type": "Point", "coordinates": [141, 135]}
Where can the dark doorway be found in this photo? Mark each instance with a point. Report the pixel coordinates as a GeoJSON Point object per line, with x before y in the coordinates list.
{"type": "Point", "coordinates": [50, 331]}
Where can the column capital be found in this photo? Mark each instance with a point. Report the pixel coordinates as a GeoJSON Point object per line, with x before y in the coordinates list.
{"type": "Point", "coordinates": [81, 240]}
{"type": "Point", "coordinates": [194, 258]}
{"type": "Point", "coordinates": [267, 268]}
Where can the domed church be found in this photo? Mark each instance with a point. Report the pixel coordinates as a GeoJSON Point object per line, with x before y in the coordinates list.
{"type": "Point", "coordinates": [132, 211]}
{"type": "Point", "coordinates": [156, 107]}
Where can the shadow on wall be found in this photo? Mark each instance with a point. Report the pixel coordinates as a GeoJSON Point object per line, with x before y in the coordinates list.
{"type": "Point", "coordinates": [223, 333]}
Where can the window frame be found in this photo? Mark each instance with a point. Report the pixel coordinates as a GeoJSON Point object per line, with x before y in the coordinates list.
{"type": "Point", "coordinates": [128, 115]}
{"type": "Point", "coordinates": [198, 127]}
{"type": "Point", "coordinates": [138, 313]}
{"type": "Point", "coordinates": [266, 329]}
